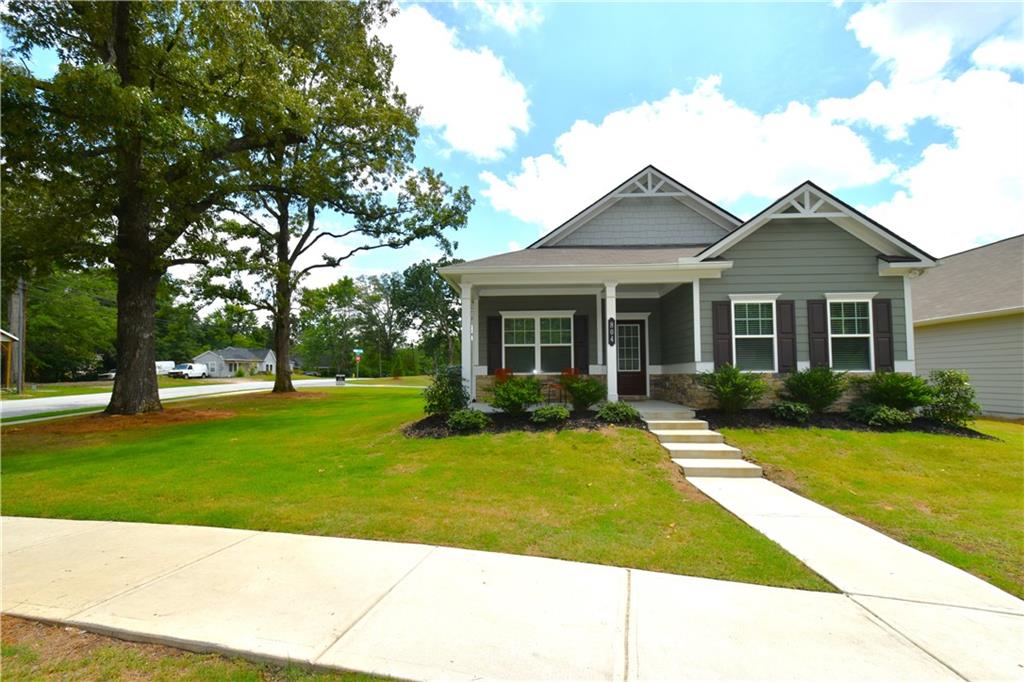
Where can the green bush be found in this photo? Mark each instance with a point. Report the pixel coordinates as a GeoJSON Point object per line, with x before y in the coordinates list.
{"type": "Point", "coordinates": [584, 391]}
{"type": "Point", "coordinates": [953, 399]}
{"type": "Point", "coordinates": [239, 372]}
{"type": "Point", "coordinates": [467, 421]}
{"type": "Point", "coordinates": [882, 416]}
{"type": "Point", "coordinates": [901, 391]}
{"type": "Point", "coordinates": [817, 387]}
{"type": "Point", "coordinates": [445, 394]}
{"type": "Point", "coordinates": [618, 413]}
{"type": "Point", "coordinates": [515, 394]}
{"type": "Point", "coordinates": [733, 390]}
{"type": "Point", "coordinates": [789, 411]}
{"type": "Point", "coordinates": [550, 414]}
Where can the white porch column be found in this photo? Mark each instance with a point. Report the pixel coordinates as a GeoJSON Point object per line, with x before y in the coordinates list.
{"type": "Point", "coordinates": [598, 324]}
{"type": "Point", "coordinates": [696, 323]}
{"type": "Point", "coordinates": [467, 337]}
{"type": "Point", "coordinates": [612, 357]}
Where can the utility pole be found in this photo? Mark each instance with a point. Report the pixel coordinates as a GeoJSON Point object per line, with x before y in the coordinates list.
{"type": "Point", "coordinates": [16, 314]}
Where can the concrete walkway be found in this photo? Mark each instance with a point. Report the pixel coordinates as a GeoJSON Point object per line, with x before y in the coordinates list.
{"type": "Point", "coordinates": [938, 606]}
{"type": "Point", "coordinates": [423, 612]}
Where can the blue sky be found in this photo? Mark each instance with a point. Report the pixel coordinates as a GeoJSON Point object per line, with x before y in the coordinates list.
{"type": "Point", "coordinates": [911, 112]}
{"type": "Point", "coordinates": [793, 80]}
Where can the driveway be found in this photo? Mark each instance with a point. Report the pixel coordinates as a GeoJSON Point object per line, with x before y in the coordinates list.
{"type": "Point", "coordinates": [31, 406]}
{"type": "Point", "coordinates": [426, 612]}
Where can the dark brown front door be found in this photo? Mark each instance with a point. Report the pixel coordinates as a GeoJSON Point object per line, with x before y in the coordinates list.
{"type": "Point", "coordinates": [631, 350]}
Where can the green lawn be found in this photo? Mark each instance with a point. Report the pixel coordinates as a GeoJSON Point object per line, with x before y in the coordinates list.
{"type": "Point", "coordinates": [959, 499]}
{"type": "Point", "coordinates": [35, 651]}
{"type": "Point", "coordinates": [334, 462]}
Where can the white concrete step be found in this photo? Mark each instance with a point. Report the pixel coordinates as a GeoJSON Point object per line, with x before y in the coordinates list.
{"type": "Point", "coordinates": [653, 424]}
{"type": "Point", "coordinates": [687, 436]}
{"type": "Point", "coordinates": [702, 450]}
{"type": "Point", "coordinates": [721, 468]}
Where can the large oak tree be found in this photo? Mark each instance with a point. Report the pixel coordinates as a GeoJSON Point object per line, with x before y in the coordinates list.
{"type": "Point", "coordinates": [127, 154]}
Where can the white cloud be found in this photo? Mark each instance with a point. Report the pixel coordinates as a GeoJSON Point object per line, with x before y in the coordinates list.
{"type": "Point", "coordinates": [916, 40]}
{"type": "Point", "coordinates": [969, 190]}
{"type": "Point", "coordinates": [720, 148]}
{"type": "Point", "coordinates": [513, 245]}
{"type": "Point", "coordinates": [510, 16]}
{"type": "Point", "coordinates": [1000, 53]}
{"type": "Point", "coordinates": [468, 94]}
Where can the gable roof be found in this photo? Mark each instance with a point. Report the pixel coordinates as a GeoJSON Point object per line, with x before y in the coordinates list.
{"type": "Point", "coordinates": [980, 282]}
{"type": "Point", "coordinates": [243, 354]}
{"type": "Point", "coordinates": [807, 200]}
{"type": "Point", "coordinates": [648, 182]}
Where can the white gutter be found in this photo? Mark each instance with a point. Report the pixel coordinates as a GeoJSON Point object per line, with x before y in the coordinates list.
{"type": "Point", "coordinates": [997, 312]}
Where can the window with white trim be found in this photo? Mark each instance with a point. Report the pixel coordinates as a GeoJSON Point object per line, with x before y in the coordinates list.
{"type": "Point", "coordinates": [753, 324]}
{"type": "Point", "coordinates": [849, 329]}
{"type": "Point", "coordinates": [537, 342]}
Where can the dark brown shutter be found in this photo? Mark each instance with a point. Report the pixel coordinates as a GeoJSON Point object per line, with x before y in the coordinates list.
{"type": "Point", "coordinates": [493, 343]}
{"type": "Point", "coordinates": [721, 332]}
{"type": "Point", "coordinates": [881, 318]}
{"type": "Point", "coordinates": [786, 333]}
{"type": "Point", "coordinates": [581, 343]}
{"type": "Point", "coordinates": [817, 333]}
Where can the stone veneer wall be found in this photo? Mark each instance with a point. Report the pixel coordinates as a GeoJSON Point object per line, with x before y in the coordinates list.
{"type": "Point", "coordinates": [686, 390]}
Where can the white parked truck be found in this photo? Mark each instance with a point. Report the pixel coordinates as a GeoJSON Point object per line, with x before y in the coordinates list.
{"type": "Point", "coordinates": [190, 370]}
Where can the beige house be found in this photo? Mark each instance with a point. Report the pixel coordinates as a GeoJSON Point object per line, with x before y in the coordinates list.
{"type": "Point", "coordinates": [969, 315]}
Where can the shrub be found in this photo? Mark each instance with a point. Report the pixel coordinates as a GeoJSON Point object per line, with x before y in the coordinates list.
{"type": "Point", "coordinates": [789, 411]}
{"type": "Point", "coordinates": [445, 394]}
{"type": "Point", "coordinates": [467, 420]}
{"type": "Point", "coordinates": [584, 391]}
{"type": "Point", "coordinates": [618, 413]}
{"type": "Point", "coordinates": [239, 372]}
{"type": "Point", "coordinates": [882, 416]}
{"type": "Point", "coordinates": [550, 414]}
{"type": "Point", "coordinates": [516, 394]}
{"type": "Point", "coordinates": [817, 387]}
{"type": "Point", "coordinates": [952, 398]}
{"type": "Point", "coordinates": [901, 391]}
{"type": "Point", "coordinates": [733, 389]}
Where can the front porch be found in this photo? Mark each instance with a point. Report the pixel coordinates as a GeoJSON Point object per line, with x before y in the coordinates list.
{"type": "Point", "coordinates": [631, 335]}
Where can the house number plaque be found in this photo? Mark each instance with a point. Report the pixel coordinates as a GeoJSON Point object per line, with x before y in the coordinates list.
{"type": "Point", "coordinates": [611, 331]}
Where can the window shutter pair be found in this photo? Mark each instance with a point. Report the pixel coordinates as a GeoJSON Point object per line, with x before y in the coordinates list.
{"type": "Point", "coordinates": [785, 333]}
{"type": "Point", "coordinates": [881, 319]}
{"type": "Point", "coordinates": [581, 343]}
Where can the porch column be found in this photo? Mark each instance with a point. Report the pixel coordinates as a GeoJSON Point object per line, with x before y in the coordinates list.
{"type": "Point", "coordinates": [611, 356]}
{"type": "Point", "coordinates": [467, 338]}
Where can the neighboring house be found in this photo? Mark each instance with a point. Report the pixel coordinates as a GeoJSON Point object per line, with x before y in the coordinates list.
{"type": "Point", "coordinates": [653, 283]}
{"type": "Point", "coordinates": [227, 361]}
{"type": "Point", "coordinates": [7, 341]}
{"type": "Point", "coordinates": [969, 315]}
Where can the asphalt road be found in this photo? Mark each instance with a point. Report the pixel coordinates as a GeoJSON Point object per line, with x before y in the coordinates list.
{"type": "Point", "coordinates": [30, 406]}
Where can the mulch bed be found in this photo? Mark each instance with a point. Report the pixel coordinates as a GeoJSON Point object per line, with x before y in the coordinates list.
{"type": "Point", "coordinates": [762, 419]}
{"type": "Point", "coordinates": [437, 427]}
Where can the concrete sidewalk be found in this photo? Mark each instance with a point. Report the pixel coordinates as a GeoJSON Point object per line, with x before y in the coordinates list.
{"type": "Point", "coordinates": [423, 612]}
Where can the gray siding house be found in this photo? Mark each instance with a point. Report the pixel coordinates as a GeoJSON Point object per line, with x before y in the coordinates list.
{"type": "Point", "coordinates": [969, 315]}
{"type": "Point", "coordinates": [226, 362]}
{"type": "Point", "coordinates": [653, 283]}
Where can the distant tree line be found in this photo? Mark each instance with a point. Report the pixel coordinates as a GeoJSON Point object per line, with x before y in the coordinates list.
{"type": "Point", "coordinates": [405, 322]}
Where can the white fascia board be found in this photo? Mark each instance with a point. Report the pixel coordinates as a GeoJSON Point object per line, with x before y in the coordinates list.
{"type": "Point", "coordinates": [981, 314]}
{"type": "Point", "coordinates": [590, 275]}
{"type": "Point", "coordinates": [887, 269]}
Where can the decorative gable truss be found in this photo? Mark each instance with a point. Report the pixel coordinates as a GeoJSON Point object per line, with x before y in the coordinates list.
{"type": "Point", "coordinates": [808, 201]}
{"type": "Point", "coordinates": [649, 184]}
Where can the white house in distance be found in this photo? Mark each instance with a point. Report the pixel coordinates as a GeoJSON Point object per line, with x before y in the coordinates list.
{"type": "Point", "coordinates": [226, 362]}
{"type": "Point", "coordinates": [969, 315]}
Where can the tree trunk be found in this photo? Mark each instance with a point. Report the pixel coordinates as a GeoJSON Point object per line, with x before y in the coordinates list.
{"type": "Point", "coordinates": [283, 299]}
{"type": "Point", "coordinates": [282, 341]}
{"type": "Point", "coordinates": [135, 385]}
